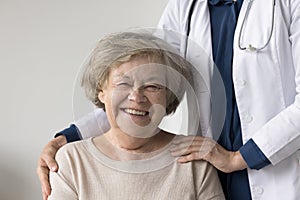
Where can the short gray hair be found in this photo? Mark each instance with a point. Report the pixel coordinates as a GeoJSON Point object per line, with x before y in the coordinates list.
{"type": "Point", "coordinates": [114, 49]}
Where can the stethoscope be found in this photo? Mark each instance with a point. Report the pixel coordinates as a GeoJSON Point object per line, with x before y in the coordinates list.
{"type": "Point", "coordinates": [250, 47]}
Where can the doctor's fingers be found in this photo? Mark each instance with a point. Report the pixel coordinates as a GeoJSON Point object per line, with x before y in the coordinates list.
{"type": "Point", "coordinates": [202, 147]}
{"type": "Point", "coordinates": [190, 150]}
{"type": "Point", "coordinates": [47, 162]}
{"type": "Point", "coordinates": [190, 157]}
{"type": "Point", "coordinates": [211, 152]}
{"type": "Point", "coordinates": [43, 174]}
{"type": "Point", "coordinates": [47, 157]}
{"type": "Point", "coordinates": [44, 163]}
{"type": "Point", "coordinates": [192, 142]}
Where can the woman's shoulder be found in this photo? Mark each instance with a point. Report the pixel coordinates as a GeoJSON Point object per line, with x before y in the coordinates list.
{"type": "Point", "coordinates": [73, 149]}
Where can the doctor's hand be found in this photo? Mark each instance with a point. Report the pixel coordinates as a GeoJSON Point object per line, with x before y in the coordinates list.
{"type": "Point", "coordinates": [47, 162]}
{"type": "Point", "coordinates": [189, 148]}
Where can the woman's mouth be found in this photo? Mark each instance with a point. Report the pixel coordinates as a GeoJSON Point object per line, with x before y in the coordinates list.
{"type": "Point", "coordinates": [136, 112]}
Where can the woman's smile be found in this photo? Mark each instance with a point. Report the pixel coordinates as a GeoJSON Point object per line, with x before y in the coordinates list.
{"type": "Point", "coordinates": [140, 117]}
{"type": "Point", "coordinates": [137, 112]}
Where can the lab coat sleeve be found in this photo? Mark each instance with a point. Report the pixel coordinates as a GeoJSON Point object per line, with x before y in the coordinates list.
{"type": "Point", "coordinates": [92, 124]}
{"type": "Point", "coordinates": [280, 137]}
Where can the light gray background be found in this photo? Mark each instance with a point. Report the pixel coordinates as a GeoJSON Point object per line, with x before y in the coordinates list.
{"type": "Point", "coordinates": [42, 45]}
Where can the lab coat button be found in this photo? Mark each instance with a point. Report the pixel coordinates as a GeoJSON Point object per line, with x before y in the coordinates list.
{"type": "Point", "coordinates": [240, 82]}
{"type": "Point", "coordinates": [248, 118]}
{"type": "Point", "coordinates": [259, 190]}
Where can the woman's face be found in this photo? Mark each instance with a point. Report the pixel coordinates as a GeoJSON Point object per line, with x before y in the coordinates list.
{"type": "Point", "coordinates": [135, 97]}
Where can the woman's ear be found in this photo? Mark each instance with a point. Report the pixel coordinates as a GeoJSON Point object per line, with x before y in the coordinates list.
{"type": "Point", "coordinates": [101, 96]}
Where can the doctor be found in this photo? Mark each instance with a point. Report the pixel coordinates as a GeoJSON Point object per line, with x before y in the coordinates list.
{"type": "Point", "coordinates": [255, 45]}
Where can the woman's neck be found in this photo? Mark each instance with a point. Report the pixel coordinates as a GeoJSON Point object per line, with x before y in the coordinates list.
{"type": "Point", "coordinates": [120, 146]}
{"type": "Point", "coordinates": [128, 143]}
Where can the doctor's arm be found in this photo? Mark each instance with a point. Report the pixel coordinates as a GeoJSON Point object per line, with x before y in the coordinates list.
{"type": "Point", "coordinates": [275, 141]}
{"type": "Point", "coordinates": [250, 155]}
{"type": "Point", "coordinates": [93, 124]}
{"type": "Point", "coordinates": [189, 148]}
{"type": "Point", "coordinates": [280, 137]}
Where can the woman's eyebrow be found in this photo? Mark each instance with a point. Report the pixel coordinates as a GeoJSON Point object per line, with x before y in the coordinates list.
{"type": "Point", "coordinates": [120, 76]}
{"type": "Point", "coordinates": [155, 79]}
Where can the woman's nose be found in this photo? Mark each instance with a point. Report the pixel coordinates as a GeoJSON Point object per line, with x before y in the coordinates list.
{"type": "Point", "coordinates": [137, 95]}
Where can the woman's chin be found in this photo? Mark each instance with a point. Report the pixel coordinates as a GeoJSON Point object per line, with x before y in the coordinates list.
{"type": "Point", "coordinates": [137, 126]}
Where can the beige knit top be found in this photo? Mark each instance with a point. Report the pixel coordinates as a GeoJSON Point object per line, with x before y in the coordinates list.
{"type": "Point", "coordinates": [85, 173]}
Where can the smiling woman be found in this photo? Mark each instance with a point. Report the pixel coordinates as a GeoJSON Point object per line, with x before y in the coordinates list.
{"type": "Point", "coordinates": [137, 79]}
{"type": "Point", "coordinates": [136, 95]}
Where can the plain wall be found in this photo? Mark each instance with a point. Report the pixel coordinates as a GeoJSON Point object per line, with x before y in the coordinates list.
{"type": "Point", "coordinates": [42, 45]}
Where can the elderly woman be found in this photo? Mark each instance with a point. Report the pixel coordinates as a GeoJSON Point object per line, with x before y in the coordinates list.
{"type": "Point", "coordinates": [137, 81]}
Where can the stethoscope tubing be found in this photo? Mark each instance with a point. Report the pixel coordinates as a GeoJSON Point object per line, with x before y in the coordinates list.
{"type": "Point", "coordinates": [189, 19]}
{"type": "Point", "coordinates": [250, 47]}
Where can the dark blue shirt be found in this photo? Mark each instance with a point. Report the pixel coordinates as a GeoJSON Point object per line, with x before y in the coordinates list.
{"type": "Point", "coordinates": [71, 133]}
{"type": "Point", "coordinates": [223, 17]}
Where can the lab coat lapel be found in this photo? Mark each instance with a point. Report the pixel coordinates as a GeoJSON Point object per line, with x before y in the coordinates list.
{"type": "Point", "coordinates": [208, 84]}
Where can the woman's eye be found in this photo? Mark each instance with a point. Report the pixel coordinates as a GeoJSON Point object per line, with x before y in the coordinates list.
{"type": "Point", "coordinates": [152, 88]}
{"type": "Point", "coordinates": [123, 85]}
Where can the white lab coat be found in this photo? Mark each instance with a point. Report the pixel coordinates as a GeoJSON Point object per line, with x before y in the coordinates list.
{"type": "Point", "coordinates": [267, 85]}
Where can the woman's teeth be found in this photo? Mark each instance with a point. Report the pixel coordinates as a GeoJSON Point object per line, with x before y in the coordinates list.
{"type": "Point", "coordinates": [135, 112]}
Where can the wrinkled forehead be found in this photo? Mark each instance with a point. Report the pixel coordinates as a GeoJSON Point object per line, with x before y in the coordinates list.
{"type": "Point", "coordinates": [141, 72]}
